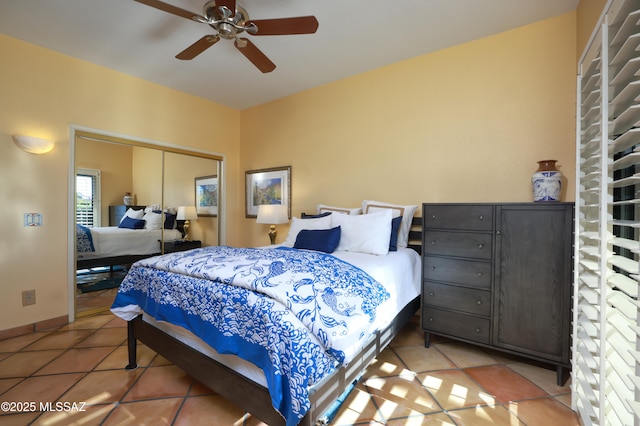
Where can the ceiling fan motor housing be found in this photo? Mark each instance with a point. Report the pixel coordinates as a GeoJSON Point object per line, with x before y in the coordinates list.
{"type": "Point", "coordinates": [226, 22]}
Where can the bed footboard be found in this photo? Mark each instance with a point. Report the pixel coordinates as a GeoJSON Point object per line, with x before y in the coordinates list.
{"type": "Point", "coordinates": [235, 387]}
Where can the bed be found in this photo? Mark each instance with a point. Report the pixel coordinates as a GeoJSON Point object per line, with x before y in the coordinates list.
{"type": "Point", "coordinates": [292, 327]}
{"type": "Point", "coordinates": [137, 237]}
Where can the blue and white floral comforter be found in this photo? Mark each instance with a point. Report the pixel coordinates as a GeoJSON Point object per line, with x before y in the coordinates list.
{"type": "Point", "coordinates": [85, 240]}
{"type": "Point", "coordinates": [295, 314]}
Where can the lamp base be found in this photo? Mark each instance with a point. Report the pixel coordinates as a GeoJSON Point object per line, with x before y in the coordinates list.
{"type": "Point", "coordinates": [186, 225]}
{"type": "Point", "coordinates": [272, 234]}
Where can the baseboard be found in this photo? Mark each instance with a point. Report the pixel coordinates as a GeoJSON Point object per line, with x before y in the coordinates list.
{"type": "Point", "coordinates": [31, 328]}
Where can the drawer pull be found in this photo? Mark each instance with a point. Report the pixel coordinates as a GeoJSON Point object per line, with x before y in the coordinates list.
{"type": "Point", "coordinates": [433, 242]}
{"type": "Point", "coordinates": [481, 217]}
{"type": "Point", "coordinates": [433, 268]}
{"type": "Point", "coordinates": [433, 217]}
{"type": "Point", "coordinates": [430, 319]}
{"type": "Point", "coordinates": [479, 274]}
{"type": "Point", "coordinates": [432, 294]}
{"type": "Point", "coordinates": [477, 330]}
{"type": "Point", "coordinates": [480, 246]}
{"type": "Point", "coordinates": [479, 302]}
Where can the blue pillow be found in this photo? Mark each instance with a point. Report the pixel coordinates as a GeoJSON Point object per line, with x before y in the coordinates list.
{"type": "Point", "coordinates": [393, 241]}
{"type": "Point", "coordinates": [131, 223]}
{"type": "Point", "coordinates": [325, 240]}
{"type": "Point", "coordinates": [169, 220]}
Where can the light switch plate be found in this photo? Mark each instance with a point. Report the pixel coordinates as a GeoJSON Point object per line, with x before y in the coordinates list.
{"type": "Point", "coordinates": [32, 219]}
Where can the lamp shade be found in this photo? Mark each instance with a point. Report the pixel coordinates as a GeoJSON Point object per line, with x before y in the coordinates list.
{"type": "Point", "coordinates": [32, 144]}
{"type": "Point", "coordinates": [272, 214]}
{"type": "Point", "coordinates": [187, 213]}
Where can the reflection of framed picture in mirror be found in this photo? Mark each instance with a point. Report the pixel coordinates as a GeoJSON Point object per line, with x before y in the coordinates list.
{"type": "Point", "coordinates": [267, 186]}
{"type": "Point", "coordinates": [207, 195]}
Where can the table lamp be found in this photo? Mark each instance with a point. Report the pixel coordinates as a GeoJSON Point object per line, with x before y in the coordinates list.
{"type": "Point", "coordinates": [272, 214]}
{"type": "Point", "coordinates": [187, 213]}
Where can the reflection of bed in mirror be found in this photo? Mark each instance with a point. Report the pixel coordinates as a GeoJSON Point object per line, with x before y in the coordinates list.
{"type": "Point", "coordinates": [137, 235]}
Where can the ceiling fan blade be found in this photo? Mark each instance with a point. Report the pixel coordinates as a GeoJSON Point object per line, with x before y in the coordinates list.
{"type": "Point", "coordinates": [283, 26]}
{"type": "Point", "coordinates": [198, 47]}
{"type": "Point", "coordinates": [165, 7]}
{"type": "Point", "coordinates": [230, 4]}
{"type": "Point", "coordinates": [252, 53]}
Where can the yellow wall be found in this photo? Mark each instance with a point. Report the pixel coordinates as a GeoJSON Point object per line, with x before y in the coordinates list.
{"type": "Point", "coordinates": [43, 93]}
{"type": "Point", "coordinates": [464, 124]}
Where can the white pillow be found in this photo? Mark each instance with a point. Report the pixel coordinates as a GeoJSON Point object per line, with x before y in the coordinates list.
{"type": "Point", "coordinates": [152, 220]}
{"type": "Point", "coordinates": [134, 214]}
{"type": "Point", "coordinates": [322, 208]}
{"type": "Point", "coordinates": [298, 225]}
{"type": "Point", "coordinates": [407, 212]}
{"type": "Point", "coordinates": [368, 233]}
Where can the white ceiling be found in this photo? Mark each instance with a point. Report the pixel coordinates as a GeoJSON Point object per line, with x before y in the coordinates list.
{"type": "Point", "coordinates": [353, 36]}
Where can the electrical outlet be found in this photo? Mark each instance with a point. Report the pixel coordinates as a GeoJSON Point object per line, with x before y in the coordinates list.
{"type": "Point", "coordinates": [28, 297]}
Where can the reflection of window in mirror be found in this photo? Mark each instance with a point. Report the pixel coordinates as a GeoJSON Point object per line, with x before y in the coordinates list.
{"type": "Point", "coordinates": [88, 197]}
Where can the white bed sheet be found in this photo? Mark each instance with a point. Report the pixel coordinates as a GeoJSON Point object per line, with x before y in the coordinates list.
{"type": "Point", "coordinates": [114, 241]}
{"type": "Point", "coordinates": [399, 272]}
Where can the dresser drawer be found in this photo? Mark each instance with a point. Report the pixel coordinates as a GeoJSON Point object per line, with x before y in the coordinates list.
{"type": "Point", "coordinates": [457, 298]}
{"type": "Point", "coordinates": [457, 271]}
{"type": "Point", "coordinates": [463, 217]}
{"type": "Point", "coordinates": [460, 244]}
{"type": "Point", "coordinates": [455, 324]}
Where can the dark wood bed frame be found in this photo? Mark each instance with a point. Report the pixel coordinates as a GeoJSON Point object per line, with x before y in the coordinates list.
{"type": "Point", "coordinates": [251, 396]}
{"type": "Point", "coordinates": [111, 261]}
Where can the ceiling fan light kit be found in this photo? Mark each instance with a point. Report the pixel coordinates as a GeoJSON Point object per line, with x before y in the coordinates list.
{"type": "Point", "coordinates": [229, 20]}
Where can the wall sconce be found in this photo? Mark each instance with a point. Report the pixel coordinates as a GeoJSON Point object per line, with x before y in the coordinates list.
{"type": "Point", "coordinates": [186, 213]}
{"type": "Point", "coordinates": [273, 214]}
{"type": "Point", "coordinates": [33, 145]}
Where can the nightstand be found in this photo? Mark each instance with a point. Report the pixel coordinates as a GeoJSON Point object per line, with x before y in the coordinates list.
{"type": "Point", "coordinates": [181, 245]}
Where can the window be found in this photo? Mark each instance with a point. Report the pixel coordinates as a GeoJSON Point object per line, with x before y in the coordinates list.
{"type": "Point", "coordinates": [88, 197]}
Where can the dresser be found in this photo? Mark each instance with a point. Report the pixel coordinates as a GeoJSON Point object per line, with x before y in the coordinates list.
{"type": "Point", "coordinates": [500, 276]}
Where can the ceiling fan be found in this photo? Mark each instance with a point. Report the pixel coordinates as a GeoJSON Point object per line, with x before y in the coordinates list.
{"type": "Point", "coordinates": [230, 20]}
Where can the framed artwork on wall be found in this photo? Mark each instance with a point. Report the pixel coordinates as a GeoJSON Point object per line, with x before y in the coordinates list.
{"type": "Point", "coordinates": [207, 195]}
{"type": "Point", "coordinates": [267, 186]}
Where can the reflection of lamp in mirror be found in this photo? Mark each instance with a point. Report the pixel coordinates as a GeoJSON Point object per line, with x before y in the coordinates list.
{"type": "Point", "coordinates": [186, 213]}
{"type": "Point", "coordinates": [272, 214]}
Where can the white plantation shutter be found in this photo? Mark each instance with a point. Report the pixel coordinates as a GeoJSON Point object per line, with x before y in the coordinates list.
{"type": "Point", "coordinates": [88, 197]}
{"type": "Point", "coordinates": [606, 383]}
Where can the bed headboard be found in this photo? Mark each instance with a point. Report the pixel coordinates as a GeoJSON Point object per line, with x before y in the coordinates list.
{"type": "Point", "coordinates": [415, 235]}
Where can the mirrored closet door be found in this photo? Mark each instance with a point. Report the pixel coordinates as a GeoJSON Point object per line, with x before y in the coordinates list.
{"type": "Point", "coordinates": [135, 200]}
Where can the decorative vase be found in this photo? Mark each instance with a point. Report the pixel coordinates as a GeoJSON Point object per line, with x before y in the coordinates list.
{"type": "Point", "coordinates": [128, 199]}
{"type": "Point", "coordinates": [546, 182]}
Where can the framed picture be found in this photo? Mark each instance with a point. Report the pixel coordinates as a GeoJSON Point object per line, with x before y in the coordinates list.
{"type": "Point", "coordinates": [267, 186]}
{"type": "Point", "coordinates": [207, 195]}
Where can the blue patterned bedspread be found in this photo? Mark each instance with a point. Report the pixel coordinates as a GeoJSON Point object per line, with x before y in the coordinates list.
{"type": "Point", "coordinates": [295, 314]}
{"type": "Point", "coordinates": [85, 240]}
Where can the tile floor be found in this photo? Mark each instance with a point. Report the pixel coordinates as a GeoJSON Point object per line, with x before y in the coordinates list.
{"type": "Point", "coordinates": [81, 364]}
